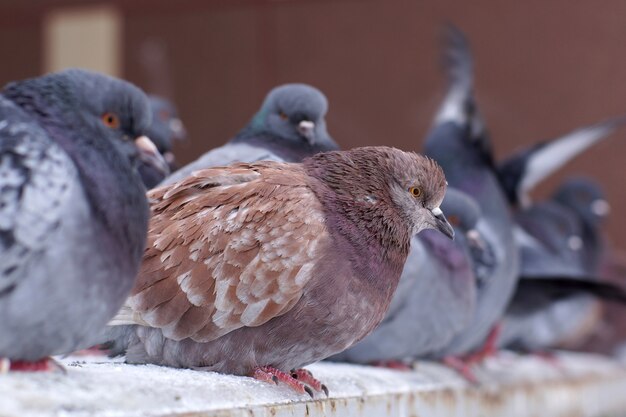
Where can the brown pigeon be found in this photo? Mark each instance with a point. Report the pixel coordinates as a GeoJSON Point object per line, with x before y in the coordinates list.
{"type": "Point", "coordinates": [259, 269]}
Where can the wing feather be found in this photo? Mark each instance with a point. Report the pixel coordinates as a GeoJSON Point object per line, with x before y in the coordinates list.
{"type": "Point", "coordinates": [227, 248]}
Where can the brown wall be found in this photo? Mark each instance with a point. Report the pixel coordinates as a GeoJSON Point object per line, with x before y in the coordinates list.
{"type": "Point", "coordinates": [543, 68]}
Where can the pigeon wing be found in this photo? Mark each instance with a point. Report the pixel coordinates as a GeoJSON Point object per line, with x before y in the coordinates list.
{"type": "Point", "coordinates": [36, 180]}
{"type": "Point", "coordinates": [227, 248]}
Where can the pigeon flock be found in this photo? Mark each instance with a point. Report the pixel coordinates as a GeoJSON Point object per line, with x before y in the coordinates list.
{"type": "Point", "coordinates": [279, 249]}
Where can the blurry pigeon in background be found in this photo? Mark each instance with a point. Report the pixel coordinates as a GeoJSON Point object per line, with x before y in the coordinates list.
{"type": "Point", "coordinates": [436, 294]}
{"type": "Point", "coordinates": [521, 172]}
{"type": "Point", "coordinates": [289, 126]}
{"type": "Point", "coordinates": [73, 211]}
{"type": "Point", "coordinates": [165, 129]}
{"type": "Point", "coordinates": [260, 269]}
{"type": "Point", "coordinates": [459, 143]}
{"type": "Point", "coordinates": [549, 237]}
{"type": "Point", "coordinates": [587, 199]}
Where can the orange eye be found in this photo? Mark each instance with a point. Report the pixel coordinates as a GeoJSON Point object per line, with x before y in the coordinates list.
{"type": "Point", "coordinates": [164, 115]}
{"type": "Point", "coordinates": [454, 220]}
{"type": "Point", "coordinates": [283, 116]}
{"type": "Point", "coordinates": [415, 191]}
{"type": "Point", "coordinates": [111, 120]}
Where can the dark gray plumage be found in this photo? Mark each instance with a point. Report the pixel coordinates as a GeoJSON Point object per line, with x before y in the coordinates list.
{"type": "Point", "coordinates": [588, 200]}
{"type": "Point", "coordinates": [550, 241]}
{"type": "Point", "coordinates": [73, 211]}
{"type": "Point", "coordinates": [276, 264]}
{"type": "Point", "coordinates": [459, 142]}
{"type": "Point", "coordinates": [289, 126]}
{"type": "Point", "coordinates": [436, 294]}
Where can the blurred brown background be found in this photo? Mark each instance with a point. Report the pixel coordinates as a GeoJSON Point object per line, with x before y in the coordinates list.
{"type": "Point", "coordinates": [543, 68]}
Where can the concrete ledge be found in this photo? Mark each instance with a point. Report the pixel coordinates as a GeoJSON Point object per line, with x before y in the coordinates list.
{"type": "Point", "coordinates": [580, 385]}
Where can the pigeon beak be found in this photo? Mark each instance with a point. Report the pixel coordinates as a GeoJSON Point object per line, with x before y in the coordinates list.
{"type": "Point", "coordinates": [306, 128]}
{"type": "Point", "coordinates": [475, 240]}
{"type": "Point", "coordinates": [600, 207]}
{"type": "Point", "coordinates": [149, 155]}
{"type": "Point", "coordinates": [441, 223]}
{"type": "Point", "coordinates": [178, 129]}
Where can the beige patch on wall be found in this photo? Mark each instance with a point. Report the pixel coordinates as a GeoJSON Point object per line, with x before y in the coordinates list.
{"type": "Point", "coordinates": [86, 37]}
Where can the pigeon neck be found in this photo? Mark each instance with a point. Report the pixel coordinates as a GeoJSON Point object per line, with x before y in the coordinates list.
{"type": "Point", "coordinates": [374, 239]}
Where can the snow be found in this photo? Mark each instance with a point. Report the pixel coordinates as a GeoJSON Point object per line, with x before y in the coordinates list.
{"type": "Point", "coordinates": [96, 386]}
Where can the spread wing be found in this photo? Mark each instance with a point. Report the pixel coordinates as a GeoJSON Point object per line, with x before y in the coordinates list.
{"type": "Point", "coordinates": [36, 183]}
{"type": "Point", "coordinates": [227, 248]}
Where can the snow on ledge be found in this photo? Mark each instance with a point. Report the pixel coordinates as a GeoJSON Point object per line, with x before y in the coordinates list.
{"type": "Point", "coordinates": [578, 384]}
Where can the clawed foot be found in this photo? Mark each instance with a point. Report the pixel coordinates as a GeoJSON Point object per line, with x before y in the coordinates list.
{"type": "Point", "coordinates": [462, 367]}
{"type": "Point", "coordinates": [300, 380]}
{"type": "Point", "coordinates": [42, 365]}
{"type": "Point", "coordinates": [463, 364]}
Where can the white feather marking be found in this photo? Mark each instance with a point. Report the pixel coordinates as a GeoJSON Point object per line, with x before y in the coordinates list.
{"type": "Point", "coordinates": [252, 311]}
{"type": "Point", "coordinates": [452, 109]}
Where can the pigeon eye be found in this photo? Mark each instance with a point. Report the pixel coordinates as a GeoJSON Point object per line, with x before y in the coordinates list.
{"type": "Point", "coordinates": [164, 115]}
{"type": "Point", "coordinates": [454, 220]}
{"type": "Point", "coordinates": [283, 116]}
{"type": "Point", "coordinates": [111, 120]}
{"type": "Point", "coordinates": [415, 191]}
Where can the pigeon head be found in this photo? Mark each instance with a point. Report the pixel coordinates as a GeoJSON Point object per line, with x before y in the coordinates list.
{"type": "Point", "coordinates": [296, 113]}
{"type": "Point", "coordinates": [105, 112]}
{"type": "Point", "coordinates": [586, 198]}
{"type": "Point", "coordinates": [401, 190]}
{"type": "Point", "coordinates": [463, 213]}
{"type": "Point", "coordinates": [462, 210]}
{"type": "Point", "coordinates": [166, 126]}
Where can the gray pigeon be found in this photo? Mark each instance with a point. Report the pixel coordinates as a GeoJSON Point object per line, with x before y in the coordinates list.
{"type": "Point", "coordinates": [436, 294]}
{"type": "Point", "coordinates": [549, 237]}
{"type": "Point", "coordinates": [259, 269]}
{"type": "Point", "coordinates": [73, 211]}
{"type": "Point", "coordinates": [165, 129]}
{"type": "Point", "coordinates": [289, 126]}
{"type": "Point", "coordinates": [560, 238]}
{"type": "Point", "coordinates": [587, 199]}
{"type": "Point", "coordinates": [459, 142]}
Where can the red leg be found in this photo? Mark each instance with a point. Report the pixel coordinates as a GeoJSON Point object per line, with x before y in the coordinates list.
{"type": "Point", "coordinates": [306, 377]}
{"type": "Point", "coordinates": [490, 347]}
{"type": "Point", "coordinates": [23, 366]}
{"type": "Point", "coordinates": [42, 365]}
{"type": "Point", "coordinates": [267, 373]}
{"type": "Point", "coordinates": [462, 367]}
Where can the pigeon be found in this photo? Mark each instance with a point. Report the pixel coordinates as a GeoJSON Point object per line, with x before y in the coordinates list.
{"type": "Point", "coordinates": [587, 199]}
{"type": "Point", "coordinates": [460, 144]}
{"type": "Point", "coordinates": [260, 269]}
{"type": "Point", "coordinates": [73, 210]}
{"type": "Point", "coordinates": [521, 172]}
{"type": "Point", "coordinates": [549, 237]}
{"type": "Point", "coordinates": [165, 129]}
{"type": "Point", "coordinates": [436, 294]}
{"type": "Point", "coordinates": [289, 126]}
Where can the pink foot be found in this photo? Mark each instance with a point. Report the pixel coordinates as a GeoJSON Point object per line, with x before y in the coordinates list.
{"type": "Point", "coordinates": [489, 349]}
{"type": "Point", "coordinates": [462, 367]}
{"type": "Point", "coordinates": [271, 374]}
{"type": "Point", "coordinates": [42, 365]}
{"type": "Point", "coordinates": [306, 377]}
{"type": "Point", "coordinates": [97, 350]}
